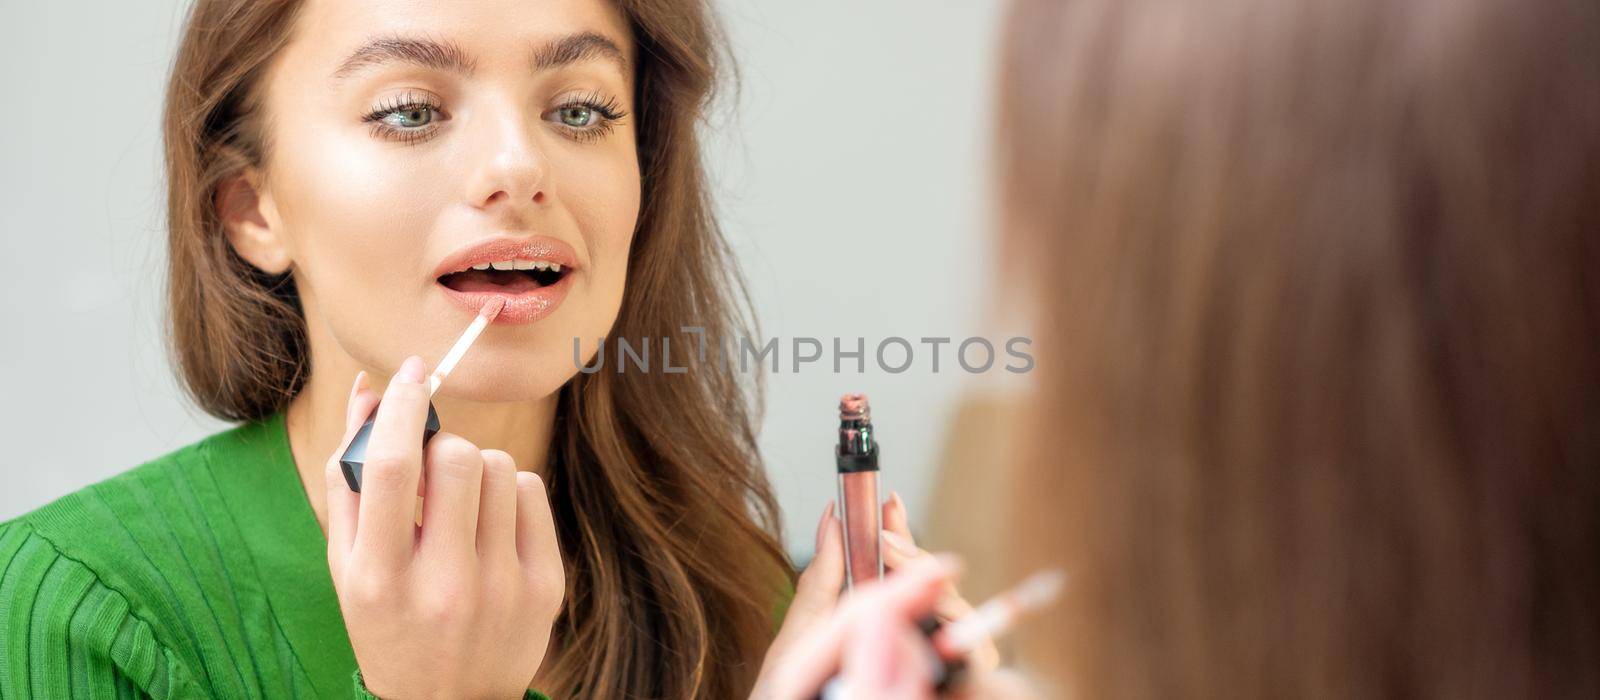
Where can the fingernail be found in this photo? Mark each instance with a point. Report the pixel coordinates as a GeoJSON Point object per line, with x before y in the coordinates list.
{"type": "Point", "coordinates": [895, 497]}
{"type": "Point", "coordinates": [900, 543]}
{"type": "Point", "coordinates": [410, 370]}
{"type": "Point", "coordinates": [350, 403]}
{"type": "Point", "coordinates": [822, 523]}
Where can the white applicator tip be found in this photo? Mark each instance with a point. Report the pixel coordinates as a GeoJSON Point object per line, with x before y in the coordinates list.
{"type": "Point", "coordinates": [484, 317]}
{"type": "Point", "coordinates": [492, 309]}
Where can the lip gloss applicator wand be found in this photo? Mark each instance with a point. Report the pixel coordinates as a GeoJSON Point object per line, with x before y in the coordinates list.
{"type": "Point", "coordinates": [355, 455]}
{"type": "Point", "coordinates": [953, 641]}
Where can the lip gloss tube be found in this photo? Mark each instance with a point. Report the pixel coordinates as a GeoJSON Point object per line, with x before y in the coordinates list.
{"type": "Point", "coordinates": [857, 459]}
{"type": "Point", "coordinates": [354, 457]}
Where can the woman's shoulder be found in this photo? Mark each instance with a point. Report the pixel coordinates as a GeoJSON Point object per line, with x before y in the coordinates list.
{"type": "Point", "coordinates": [106, 517]}
{"type": "Point", "coordinates": [147, 524]}
{"type": "Point", "coordinates": [104, 572]}
{"type": "Point", "coordinates": [115, 527]}
{"type": "Point", "coordinates": [57, 613]}
{"type": "Point", "coordinates": [78, 589]}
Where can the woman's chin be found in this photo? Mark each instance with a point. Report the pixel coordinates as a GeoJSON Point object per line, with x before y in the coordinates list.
{"type": "Point", "coordinates": [499, 388]}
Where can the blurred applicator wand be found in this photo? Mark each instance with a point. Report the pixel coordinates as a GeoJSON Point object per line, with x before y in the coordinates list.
{"type": "Point", "coordinates": [355, 456]}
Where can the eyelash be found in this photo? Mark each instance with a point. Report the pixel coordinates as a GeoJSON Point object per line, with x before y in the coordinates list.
{"type": "Point", "coordinates": [606, 106]}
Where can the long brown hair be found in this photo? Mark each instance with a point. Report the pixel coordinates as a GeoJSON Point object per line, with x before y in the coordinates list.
{"type": "Point", "coordinates": [1319, 343]}
{"type": "Point", "coordinates": [667, 522]}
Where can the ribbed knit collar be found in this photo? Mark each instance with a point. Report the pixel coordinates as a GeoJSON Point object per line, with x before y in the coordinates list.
{"type": "Point", "coordinates": [261, 485]}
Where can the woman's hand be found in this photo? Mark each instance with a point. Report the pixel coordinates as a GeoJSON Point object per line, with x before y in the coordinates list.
{"type": "Point", "coordinates": [870, 646]}
{"type": "Point", "coordinates": [462, 606]}
{"type": "Point", "coordinates": [870, 640]}
{"type": "Point", "coordinates": [900, 550]}
{"type": "Point", "coordinates": [817, 594]}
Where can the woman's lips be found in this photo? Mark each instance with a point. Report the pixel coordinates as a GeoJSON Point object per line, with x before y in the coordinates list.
{"type": "Point", "coordinates": [508, 248]}
{"type": "Point", "coordinates": [524, 306]}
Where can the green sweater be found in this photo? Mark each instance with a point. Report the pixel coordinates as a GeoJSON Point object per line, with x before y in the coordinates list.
{"type": "Point", "coordinates": [200, 574]}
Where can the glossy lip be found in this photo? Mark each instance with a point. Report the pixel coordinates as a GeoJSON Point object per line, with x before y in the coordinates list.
{"type": "Point", "coordinates": [507, 248]}
{"type": "Point", "coordinates": [525, 307]}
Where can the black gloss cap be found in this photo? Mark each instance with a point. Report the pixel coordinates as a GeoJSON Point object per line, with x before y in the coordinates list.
{"type": "Point", "coordinates": [355, 456]}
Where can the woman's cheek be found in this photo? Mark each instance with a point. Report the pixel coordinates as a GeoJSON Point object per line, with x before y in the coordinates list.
{"type": "Point", "coordinates": [360, 222]}
{"type": "Point", "coordinates": [604, 198]}
{"type": "Point", "coordinates": [365, 207]}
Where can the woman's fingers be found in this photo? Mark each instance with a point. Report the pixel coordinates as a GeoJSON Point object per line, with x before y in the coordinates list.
{"type": "Point", "coordinates": [899, 547]}
{"type": "Point", "coordinates": [900, 550]}
{"type": "Point", "coordinates": [497, 516]}
{"type": "Point", "coordinates": [817, 589]}
{"type": "Point", "coordinates": [353, 416]}
{"type": "Point", "coordinates": [536, 536]}
{"type": "Point", "coordinates": [887, 658]}
{"type": "Point", "coordinates": [386, 532]}
{"type": "Point", "coordinates": [816, 594]}
{"type": "Point", "coordinates": [455, 488]}
{"type": "Point", "coordinates": [814, 656]}
{"type": "Point", "coordinates": [342, 503]}
{"type": "Point", "coordinates": [894, 516]}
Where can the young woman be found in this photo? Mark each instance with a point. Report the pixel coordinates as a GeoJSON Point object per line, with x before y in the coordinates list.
{"type": "Point", "coordinates": [339, 174]}
{"type": "Point", "coordinates": [1318, 388]}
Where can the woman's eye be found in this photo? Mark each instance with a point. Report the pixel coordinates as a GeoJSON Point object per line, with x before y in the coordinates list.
{"type": "Point", "coordinates": [577, 116]}
{"type": "Point", "coordinates": [411, 117]}
{"type": "Point", "coordinates": [407, 118]}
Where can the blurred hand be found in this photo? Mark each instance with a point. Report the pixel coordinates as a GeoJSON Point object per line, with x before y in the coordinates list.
{"type": "Point", "coordinates": [871, 648]}
{"type": "Point", "coordinates": [900, 550]}
{"type": "Point", "coordinates": [461, 606]}
{"type": "Point", "coordinates": [870, 637]}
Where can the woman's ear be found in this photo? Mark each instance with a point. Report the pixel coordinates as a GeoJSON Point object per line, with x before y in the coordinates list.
{"type": "Point", "coordinates": [251, 222]}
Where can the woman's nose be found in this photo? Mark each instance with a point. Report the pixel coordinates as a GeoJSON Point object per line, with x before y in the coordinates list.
{"type": "Point", "coordinates": [512, 169]}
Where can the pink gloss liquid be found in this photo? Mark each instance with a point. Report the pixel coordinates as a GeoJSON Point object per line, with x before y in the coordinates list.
{"type": "Point", "coordinates": [858, 491]}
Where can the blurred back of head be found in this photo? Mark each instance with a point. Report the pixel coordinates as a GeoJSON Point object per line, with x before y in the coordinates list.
{"type": "Point", "coordinates": [1319, 343]}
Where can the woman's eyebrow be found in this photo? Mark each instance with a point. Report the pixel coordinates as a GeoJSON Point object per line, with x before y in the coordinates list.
{"type": "Point", "coordinates": [573, 48]}
{"type": "Point", "coordinates": [421, 51]}
{"type": "Point", "coordinates": [448, 56]}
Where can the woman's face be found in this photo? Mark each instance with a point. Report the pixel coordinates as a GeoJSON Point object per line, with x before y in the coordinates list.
{"type": "Point", "coordinates": [404, 136]}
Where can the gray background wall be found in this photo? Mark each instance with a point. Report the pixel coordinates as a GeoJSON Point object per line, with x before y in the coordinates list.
{"type": "Point", "coordinates": [861, 126]}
